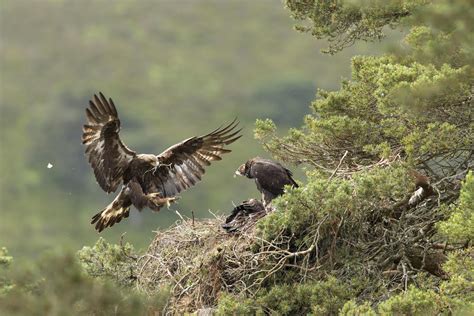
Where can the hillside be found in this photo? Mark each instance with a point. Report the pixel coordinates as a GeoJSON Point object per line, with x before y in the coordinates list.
{"type": "Point", "coordinates": [174, 71]}
{"type": "Point", "coordinates": [381, 221]}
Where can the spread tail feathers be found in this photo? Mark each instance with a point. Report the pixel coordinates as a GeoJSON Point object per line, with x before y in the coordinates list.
{"type": "Point", "coordinates": [113, 213]}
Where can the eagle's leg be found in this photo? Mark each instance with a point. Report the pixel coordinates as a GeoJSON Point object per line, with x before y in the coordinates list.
{"type": "Point", "coordinates": [265, 199]}
{"type": "Point", "coordinates": [156, 202]}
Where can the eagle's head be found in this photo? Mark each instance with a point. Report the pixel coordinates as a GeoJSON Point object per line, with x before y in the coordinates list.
{"type": "Point", "coordinates": [150, 159]}
{"type": "Point", "coordinates": [244, 170]}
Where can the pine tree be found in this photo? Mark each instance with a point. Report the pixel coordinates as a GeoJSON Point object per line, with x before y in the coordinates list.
{"type": "Point", "coordinates": [404, 116]}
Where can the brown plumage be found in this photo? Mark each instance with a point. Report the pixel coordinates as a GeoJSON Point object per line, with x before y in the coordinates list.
{"type": "Point", "coordinates": [244, 215]}
{"type": "Point", "coordinates": [423, 188]}
{"type": "Point", "coordinates": [270, 177]}
{"type": "Point", "coordinates": [148, 180]}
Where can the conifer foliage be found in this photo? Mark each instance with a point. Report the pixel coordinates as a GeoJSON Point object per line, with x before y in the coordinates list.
{"type": "Point", "coordinates": [400, 114]}
{"type": "Point", "coordinates": [348, 241]}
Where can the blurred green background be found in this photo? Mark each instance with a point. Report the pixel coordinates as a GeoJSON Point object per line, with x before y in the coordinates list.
{"type": "Point", "coordinates": [174, 69]}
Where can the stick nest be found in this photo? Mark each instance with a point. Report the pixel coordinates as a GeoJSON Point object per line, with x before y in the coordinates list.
{"type": "Point", "coordinates": [390, 246]}
{"type": "Point", "coordinates": [200, 260]}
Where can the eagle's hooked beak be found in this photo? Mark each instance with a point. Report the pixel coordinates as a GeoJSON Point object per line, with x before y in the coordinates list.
{"type": "Point", "coordinates": [240, 171]}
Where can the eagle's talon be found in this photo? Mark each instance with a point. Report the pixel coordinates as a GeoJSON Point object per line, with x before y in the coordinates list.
{"type": "Point", "coordinates": [178, 166]}
{"type": "Point", "coordinates": [171, 200]}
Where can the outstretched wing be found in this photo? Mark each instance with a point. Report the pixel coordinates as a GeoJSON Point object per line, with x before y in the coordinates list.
{"type": "Point", "coordinates": [182, 165]}
{"type": "Point", "coordinates": [108, 156]}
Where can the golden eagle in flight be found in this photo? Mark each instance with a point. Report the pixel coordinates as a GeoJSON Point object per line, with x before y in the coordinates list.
{"type": "Point", "coordinates": [270, 177]}
{"type": "Point", "coordinates": [147, 180]}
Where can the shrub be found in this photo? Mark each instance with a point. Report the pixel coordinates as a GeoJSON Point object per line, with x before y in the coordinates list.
{"type": "Point", "coordinates": [59, 286]}
{"type": "Point", "coordinates": [110, 261]}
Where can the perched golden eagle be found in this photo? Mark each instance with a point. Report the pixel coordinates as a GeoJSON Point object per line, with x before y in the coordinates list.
{"type": "Point", "coordinates": [148, 180]}
{"type": "Point", "coordinates": [270, 177]}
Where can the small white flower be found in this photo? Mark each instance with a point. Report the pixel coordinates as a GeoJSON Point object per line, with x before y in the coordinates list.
{"type": "Point", "coordinates": [50, 165]}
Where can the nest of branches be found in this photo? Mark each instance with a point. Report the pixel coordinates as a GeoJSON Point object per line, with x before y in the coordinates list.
{"type": "Point", "coordinates": [390, 247]}
{"type": "Point", "coordinates": [186, 258]}
{"type": "Point", "coordinates": [199, 260]}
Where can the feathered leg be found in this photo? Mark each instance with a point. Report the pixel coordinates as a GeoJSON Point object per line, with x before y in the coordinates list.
{"type": "Point", "coordinates": [156, 202]}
